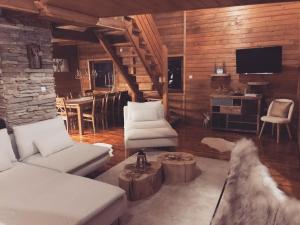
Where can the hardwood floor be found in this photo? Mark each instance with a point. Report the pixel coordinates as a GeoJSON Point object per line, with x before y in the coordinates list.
{"type": "Point", "coordinates": [282, 159]}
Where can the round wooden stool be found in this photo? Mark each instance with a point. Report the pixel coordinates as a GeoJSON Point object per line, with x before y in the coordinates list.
{"type": "Point", "coordinates": [178, 167]}
{"type": "Point", "coordinates": [140, 184]}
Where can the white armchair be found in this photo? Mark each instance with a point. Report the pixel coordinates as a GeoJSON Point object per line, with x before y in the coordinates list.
{"type": "Point", "coordinates": [280, 113]}
{"type": "Point", "coordinates": [146, 127]}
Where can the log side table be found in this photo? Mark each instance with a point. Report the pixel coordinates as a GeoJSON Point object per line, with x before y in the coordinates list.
{"type": "Point", "coordinates": [140, 184]}
{"type": "Point", "coordinates": [178, 167]}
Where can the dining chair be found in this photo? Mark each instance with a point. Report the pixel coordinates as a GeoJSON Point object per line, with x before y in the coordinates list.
{"type": "Point", "coordinates": [121, 99]}
{"type": "Point", "coordinates": [88, 93]}
{"type": "Point", "coordinates": [279, 113]}
{"type": "Point", "coordinates": [109, 108]}
{"type": "Point", "coordinates": [68, 116]}
{"type": "Point", "coordinates": [93, 116]}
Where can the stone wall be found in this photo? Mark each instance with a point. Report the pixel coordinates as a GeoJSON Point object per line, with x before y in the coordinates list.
{"type": "Point", "coordinates": [21, 97]}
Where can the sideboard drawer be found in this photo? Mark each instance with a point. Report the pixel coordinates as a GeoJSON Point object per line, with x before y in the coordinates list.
{"type": "Point", "coordinates": [221, 101]}
{"type": "Point", "coordinates": [234, 110]}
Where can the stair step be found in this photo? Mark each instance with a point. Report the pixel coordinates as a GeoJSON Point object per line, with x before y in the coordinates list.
{"type": "Point", "coordinates": [114, 33]}
{"type": "Point", "coordinates": [152, 93]}
{"type": "Point", "coordinates": [145, 86]}
{"type": "Point", "coordinates": [142, 44]}
{"type": "Point", "coordinates": [143, 79]}
{"type": "Point", "coordinates": [122, 44]}
{"type": "Point", "coordinates": [132, 65]}
{"type": "Point", "coordinates": [136, 30]}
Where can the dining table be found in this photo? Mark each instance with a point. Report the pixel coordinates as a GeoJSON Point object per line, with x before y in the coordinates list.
{"type": "Point", "coordinates": [79, 104]}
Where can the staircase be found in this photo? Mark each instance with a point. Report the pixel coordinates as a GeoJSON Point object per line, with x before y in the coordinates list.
{"type": "Point", "coordinates": [136, 49]}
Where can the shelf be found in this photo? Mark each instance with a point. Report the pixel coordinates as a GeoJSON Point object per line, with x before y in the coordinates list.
{"type": "Point", "coordinates": [243, 122]}
{"type": "Point", "coordinates": [235, 130]}
{"type": "Point", "coordinates": [263, 83]}
{"type": "Point", "coordinates": [220, 75]}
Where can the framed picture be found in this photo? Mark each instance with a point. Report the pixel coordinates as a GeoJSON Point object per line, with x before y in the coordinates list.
{"type": "Point", "coordinates": [61, 65]}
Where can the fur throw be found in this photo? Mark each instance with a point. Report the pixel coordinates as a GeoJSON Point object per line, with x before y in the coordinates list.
{"type": "Point", "coordinates": [251, 197]}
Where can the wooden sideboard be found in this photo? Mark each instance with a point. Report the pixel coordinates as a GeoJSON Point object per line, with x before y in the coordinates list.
{"type": "Point", "coordinates": [235, 113]}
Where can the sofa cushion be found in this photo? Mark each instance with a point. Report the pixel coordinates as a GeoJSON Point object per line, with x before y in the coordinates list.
{"type": "Point", "coordinates": [48, 145]}
{"type": "Point", "coordinates": [144, 115]}
{"type": "Point", "coordinates": [70, 159]}
{"type": "Point", "coordinates": [137, 134]}
{"type": "Point", "coordinates": [272, 119]}
{"type": "Point", "coordinates": [6, 145]}
{"type": "Point", "coordinates": [26, 134]}
{"type": "Point", "coordinates": [135, 106]}
{"type": "Point", "coordinates": [5, 162]}
{"type": "Point", "coordinates": [147, 124]}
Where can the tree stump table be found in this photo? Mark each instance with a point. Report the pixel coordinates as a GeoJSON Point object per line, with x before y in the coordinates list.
{"type": "Point", "coordinates": [140, 184]}
{"type": "Point", "coordinates": [178, 167]}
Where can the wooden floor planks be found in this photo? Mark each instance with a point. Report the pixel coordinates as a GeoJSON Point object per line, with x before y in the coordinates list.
{"type": "Point", "coordinates": [281, 159]}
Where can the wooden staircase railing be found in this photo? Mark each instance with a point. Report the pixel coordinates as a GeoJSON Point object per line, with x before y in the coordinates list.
{"type": "Point", "coordinates": [130, 80]}
{"type": "Point", "coordinates": [133, 42]}
{"type": "Point", "coordinates": [152, 38]}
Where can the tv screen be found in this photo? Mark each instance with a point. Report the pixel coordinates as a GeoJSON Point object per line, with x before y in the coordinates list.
{"type": "Point", "coordinates": [259, 60]}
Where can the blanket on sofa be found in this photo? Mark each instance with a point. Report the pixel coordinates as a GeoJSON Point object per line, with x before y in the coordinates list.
{"type": "Point", "coordinates": [251, 196]}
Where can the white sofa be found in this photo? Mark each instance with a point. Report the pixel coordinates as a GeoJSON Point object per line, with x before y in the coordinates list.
{"type": "Point", "coordinates": [33, 194]}
{"type": "Point", "coordinates": [145, 126]}
{"type": "Point", "coordinates": [75, 158]}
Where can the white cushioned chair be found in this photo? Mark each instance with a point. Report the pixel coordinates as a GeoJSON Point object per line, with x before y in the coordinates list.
{"type": "Point", "coordinates": [146, 131]}
{"type": "Point", "coordinates": [280, 112]}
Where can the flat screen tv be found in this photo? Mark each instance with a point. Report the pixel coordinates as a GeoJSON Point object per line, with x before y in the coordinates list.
{"type": "Point", "coordinates": [267, 60]}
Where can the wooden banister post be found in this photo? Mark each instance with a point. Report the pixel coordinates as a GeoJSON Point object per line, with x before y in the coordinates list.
{"type": "Point", "coordinates": [165, 80]}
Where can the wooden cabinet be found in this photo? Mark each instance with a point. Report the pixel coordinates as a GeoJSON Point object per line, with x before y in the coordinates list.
{"type": "Point", "coordinates": [235, 113]}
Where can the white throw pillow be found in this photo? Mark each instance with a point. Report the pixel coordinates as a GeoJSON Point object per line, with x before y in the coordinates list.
{"type": "Point", "coordinates": [26, 134]}
{"type": "Point", "coordinates": [48, 145]}
{"type": "Point", "coordinates": [5, 145]}
{"type": "Point", "coordinates": [133, 106]}
{"type": "Point", "coordinates": [144, 115]}
{"type": "Point", "coordinates": [5, 162]}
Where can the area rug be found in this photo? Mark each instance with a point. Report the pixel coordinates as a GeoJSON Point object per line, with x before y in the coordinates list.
{"type": "Point", "coordinates": [219, 144]}
{"type": "Point", "coordinates": [182, 204]}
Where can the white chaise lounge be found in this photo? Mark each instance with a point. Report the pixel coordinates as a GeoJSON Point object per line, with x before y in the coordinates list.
{"type": "Point", "coordinates": [31, 194]}
{"type": "Point", "coordinates": [145, 126]}
{"type": "Point", "coordinates": [47, 144]}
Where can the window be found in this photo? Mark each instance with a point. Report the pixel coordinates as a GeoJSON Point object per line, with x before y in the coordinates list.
{"type": "Point", "coordinates": [103, 72]}
{"type": "Point", "coordinates": [175, 70]}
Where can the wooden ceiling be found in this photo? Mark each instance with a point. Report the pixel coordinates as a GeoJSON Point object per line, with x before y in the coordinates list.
{"type": "Point", "coordinates": [108, 8]}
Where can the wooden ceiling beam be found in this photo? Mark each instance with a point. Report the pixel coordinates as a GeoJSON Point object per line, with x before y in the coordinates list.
{"type": "Point", "coordinates": [71, 35]}
{"type": "Point", "coordinates": [19, 5]}
{"type": "Point", "coordinates": [58, 14]}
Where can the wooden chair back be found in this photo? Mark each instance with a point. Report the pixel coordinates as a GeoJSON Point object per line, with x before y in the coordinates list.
{"type": "Point", "coordinates": [97, 105]}
{"type": "Point", "coordinates": [89, 93]}
{"type": "Point", "coordinates": [61, 108]}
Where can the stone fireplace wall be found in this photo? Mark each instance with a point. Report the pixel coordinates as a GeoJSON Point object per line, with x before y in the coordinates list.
{"type": "Point", "coordinates": [26, 95]}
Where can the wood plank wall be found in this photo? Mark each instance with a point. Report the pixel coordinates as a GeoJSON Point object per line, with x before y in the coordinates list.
{"type": "Point", "coordinates": [207, 36]}
{"type": "Point", "coordinates": [65, 81]}
{"type": "Point", "coordinates": [171, 29]}
{"type": "Point", "coordinates": [213, 35]}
